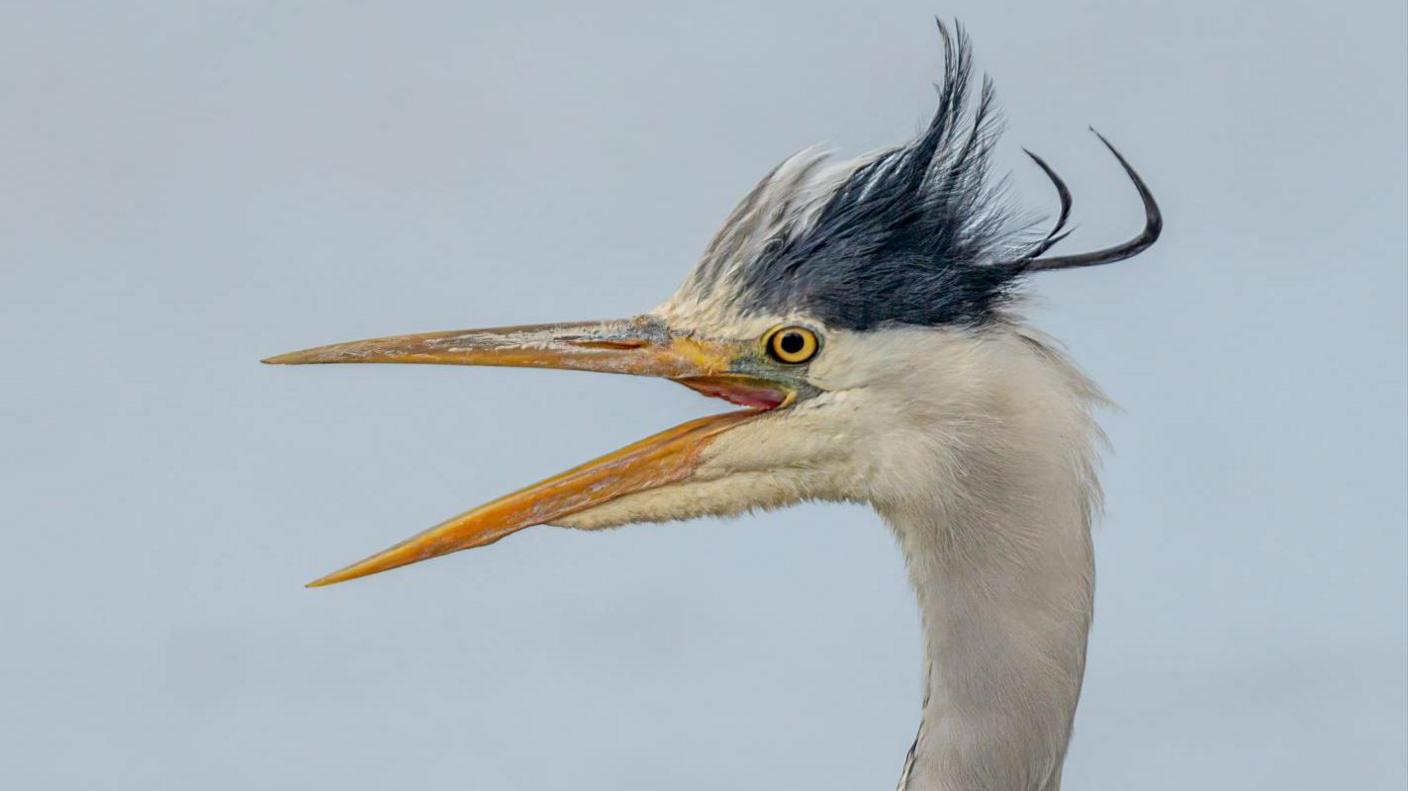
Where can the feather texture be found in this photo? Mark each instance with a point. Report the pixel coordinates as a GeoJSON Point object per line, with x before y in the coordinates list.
{"type": "Point", "coordinates": [909, 235]}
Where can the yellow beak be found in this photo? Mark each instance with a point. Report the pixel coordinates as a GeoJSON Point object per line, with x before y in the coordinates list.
{"type": "Point", "coordinates": [641, 346]}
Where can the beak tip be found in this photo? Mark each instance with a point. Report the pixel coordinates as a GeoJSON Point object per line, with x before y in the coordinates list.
{"type": "Point", "coordinates": [364, 568]}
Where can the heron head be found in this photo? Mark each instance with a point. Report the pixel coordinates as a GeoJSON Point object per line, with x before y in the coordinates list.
{"type": "Point", "coordinates": [853, 311]}
{"type": "Point", "coordinates": [803, 414]}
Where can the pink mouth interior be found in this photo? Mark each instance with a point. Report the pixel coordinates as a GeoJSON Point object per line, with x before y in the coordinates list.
{"type": "Point", "coordinates": [737, 391]}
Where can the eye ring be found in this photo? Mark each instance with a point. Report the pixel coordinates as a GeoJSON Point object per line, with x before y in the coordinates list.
{"type": "Point", "coordinates": [792, 345]}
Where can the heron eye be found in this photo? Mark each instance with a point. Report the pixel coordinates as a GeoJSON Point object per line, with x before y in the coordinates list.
{"type": "Point", "coordinates": [792, 345]}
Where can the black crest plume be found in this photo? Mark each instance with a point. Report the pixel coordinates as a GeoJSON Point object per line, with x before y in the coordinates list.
{"type": "Point", "coordinates": [913, 235]}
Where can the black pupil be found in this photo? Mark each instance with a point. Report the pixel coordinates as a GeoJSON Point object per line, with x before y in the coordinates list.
{"type": "Point", "coordinates": [792, 342]}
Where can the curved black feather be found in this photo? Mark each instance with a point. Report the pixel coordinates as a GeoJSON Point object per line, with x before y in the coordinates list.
{"type": "Point", "coordinates": [1153, 226]}
{"type": "Point", "coordinates": [1064, 194]}
{"type": "Point", "coordinates": [913, 235]}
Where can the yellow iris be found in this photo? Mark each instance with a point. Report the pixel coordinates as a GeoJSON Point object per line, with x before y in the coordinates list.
{"type": "Point", "coordinates": [792, 345]}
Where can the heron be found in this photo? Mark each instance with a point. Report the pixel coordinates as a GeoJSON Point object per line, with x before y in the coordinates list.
{"type": "Point", "coordinates": [865, 316]}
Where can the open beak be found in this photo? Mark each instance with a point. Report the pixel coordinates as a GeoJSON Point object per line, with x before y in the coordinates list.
{"type": "Point", "coordinates": [643, 346]}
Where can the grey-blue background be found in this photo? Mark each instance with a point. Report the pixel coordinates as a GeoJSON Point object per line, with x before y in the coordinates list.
{"type": "Point", "coordinates": [185, 188]}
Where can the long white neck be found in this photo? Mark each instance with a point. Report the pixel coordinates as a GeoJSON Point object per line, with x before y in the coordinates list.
{"type": "Point", "coordinates": [976, 447]}
{"type": "Point", "coordinates": [995, 527]}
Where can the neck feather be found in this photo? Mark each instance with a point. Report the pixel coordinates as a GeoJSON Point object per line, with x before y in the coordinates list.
{"type": "Point", "coordinates": [1001, 562]}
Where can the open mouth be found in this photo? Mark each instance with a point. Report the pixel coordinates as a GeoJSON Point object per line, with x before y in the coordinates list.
{"type": "Point", "coordinates": [637, 346]}
{"type": "Point", "coordinates": [744, 391]}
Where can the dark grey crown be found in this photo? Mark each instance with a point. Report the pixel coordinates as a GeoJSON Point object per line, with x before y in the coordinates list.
{"type": "Point", "coordinates": [910, 235]}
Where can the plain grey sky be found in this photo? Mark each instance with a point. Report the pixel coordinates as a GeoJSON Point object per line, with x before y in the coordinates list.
{"type": "Point", "coordinates": [187, 187]}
